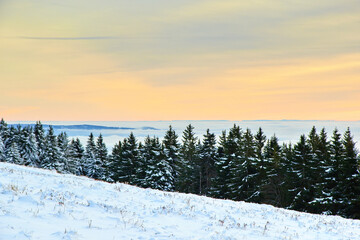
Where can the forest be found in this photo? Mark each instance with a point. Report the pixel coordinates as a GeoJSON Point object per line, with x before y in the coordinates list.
{"type": "Point", "coordinates": [317, 174]}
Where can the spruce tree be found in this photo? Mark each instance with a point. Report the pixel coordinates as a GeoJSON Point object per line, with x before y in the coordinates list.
{"type": "Point", "coordinates": [5, 134]}
{"type": "Point", "coordinates": [323, 195]}
{"type": "Point", "coordinates": [63, 144]}
{"type": "Point", "coordinates": [2, 150]}
{"type": "Point", "coordinates": [274, 188]}
{"type": "Point", "coordinates": [28, 147]}
{"type": "Point", "coordinates": [75, 156]}
{"type": "Point", "coordinates": [207, 158]}
{"type": "Point", "coordinates": [187, 179]}
{"type": "Point", "coordinates": [349, 184]}
{"type": "Point", "coordinates": [171, 151]}
{"type": "Point", "coordinates": [220, 188]}
{"type": "Point", "coordinates": [332, 177]}
{"type": "Point", "coordinates": [128, 165]}
{"type": "Point", "coordinates": [53, 159]}
{"type": "Point", "coordinates": [303, 187]}
{"type": "Point", "coordinates": [41, 143]}
{"type": "Point", "coordinates": [89, 165]}
{"type": "Point", "coordinates": [101, 155]}
{"type": "Point", "coordinates": [115, 163]}
{"type": "Point", "coordinates": [260, 180]}
{"type": "Point", "coordinates": [158, 170]}
{"type": "Point", "coordinates": [13, 154]}
{"type": "Point", "coordinates": [249, 165]}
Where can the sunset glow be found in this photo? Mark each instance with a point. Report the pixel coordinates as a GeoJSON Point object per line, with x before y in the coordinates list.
{"type": "Point", "coordinates": [167, 60]}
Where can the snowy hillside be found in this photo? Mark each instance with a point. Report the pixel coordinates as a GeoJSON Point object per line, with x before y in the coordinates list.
{"type": "Point", "coordinates": [40, 204]}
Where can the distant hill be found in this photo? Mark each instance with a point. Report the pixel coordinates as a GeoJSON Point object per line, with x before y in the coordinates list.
{"type": "Point", "coordinates": [83, 127]}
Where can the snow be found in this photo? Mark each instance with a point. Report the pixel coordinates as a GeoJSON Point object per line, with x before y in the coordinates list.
{"type": "Point", "coordinates": [42, 204]}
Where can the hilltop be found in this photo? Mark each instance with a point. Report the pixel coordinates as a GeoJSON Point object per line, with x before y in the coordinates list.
{"type": "Point", "coordinates": [42, 204]}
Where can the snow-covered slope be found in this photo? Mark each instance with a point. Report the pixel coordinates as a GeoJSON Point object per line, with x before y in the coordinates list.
{"type": "Point", "coordinates": [40, 204]}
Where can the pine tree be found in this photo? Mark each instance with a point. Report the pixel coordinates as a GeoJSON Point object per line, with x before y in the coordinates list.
{"type": "Point", "coordinates": [323, 154]}
{"type": "Point", "coordinates": [28, 147]}
{"type": "Point", "coordinates": [349, 184]}
{"type": "Point", "coordinates": [187, 175]}
{"type": "Point", "coordinates": [41, 143]}
{"type": "Point", "coordinates": [2, 150]}
{"type": "Point", "coordinates": [5, 134]}
{"type": "Point", "coordinates": [126, 161]}
{"type": "Point", "coordinates": [90, 168]}
{"type": "Point", "coordinates": [158, 170]}
{"type": "Point", "coordinates": [52, 156]}
{"type": "Point", "coordinates": [249, 166]}
{"type": "Point", "coordinates": [332, 201]}
{"type": "Point", "coordinates": [63, 144]}
{"type": "Point", "coordinates": [220, 187]}
{"type": "Point", "coordinates": [273, 191]}
{"type": "Point", "coordinates": [115, 164]}
{"type": "Point", "coordinates": [171, 151]}
{"type": "Point", "coordinates": [101, 155]}
{"type": "Point", "coordinates": [303, 187]}
{"type": "Point", "coordinates": [75, 156]}
{"type": "Point", "coordinates": [13, 154]}
{"type": "Point", "coordinates": [260, 180]}
{"type": "Point", "coordinates": [290, 177]}
{"type": "Point", "coordinates": [207, 158]}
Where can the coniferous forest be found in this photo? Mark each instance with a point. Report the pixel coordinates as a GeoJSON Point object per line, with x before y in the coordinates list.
{"type": "Point", "coordinates": [318, 174]}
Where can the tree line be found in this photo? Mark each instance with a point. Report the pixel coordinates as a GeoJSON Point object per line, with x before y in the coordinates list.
{"type": "Point", "coordinates": [317, 174]}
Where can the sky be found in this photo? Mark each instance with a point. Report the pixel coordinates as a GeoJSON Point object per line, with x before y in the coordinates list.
{"type": "Point", "coordinates": [120, 60]}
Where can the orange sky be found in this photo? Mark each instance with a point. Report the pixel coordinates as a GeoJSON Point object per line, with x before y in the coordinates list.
{"type": "Point", "coordinates": [176, 60]}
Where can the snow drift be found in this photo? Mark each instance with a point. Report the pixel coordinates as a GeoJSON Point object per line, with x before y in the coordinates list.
{"type": "Point", "coordinates": [41, 204]}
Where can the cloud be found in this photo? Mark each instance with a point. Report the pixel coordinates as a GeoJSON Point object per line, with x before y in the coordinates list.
{"type": "Point", "coordinates": [68, 38]}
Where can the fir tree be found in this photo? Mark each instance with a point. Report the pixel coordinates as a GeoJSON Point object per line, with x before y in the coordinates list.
{"type": "Point", "coordinates": [63, 144]}
{"type": "Point", "coordinates": [171, 151]}
{"type": "Point", "coordinates": [273, 191]}
{"type": "Point", "coordinates": [207, 159]}
{"type": "Point", "coordinates": [187, 175]}
{"type": "Point", "coordinates": [13, 154]}
{"type": "Point", "coordinates": [101, 155]}
{"type": "Point", "coordinates": [349, 184]}
{"type": "Point", "coordinates": [28, 147]}
{"type": "Point", "coordinates": [75, 156]}
{"type": "Point", "coordinates": [332, 201]}
{"type": "Point", "coordinates": [41, 143]}
{"type": "Point", "coordinates": [260, 180]}
{"type": "Point", "coordinates": [127, 163]}
{"type": "Point", "coordinates": [90, 168]}
{"type": "Point", "coordinates": [52, 157]}
{"type": "Point", "coordinates": [2, 150]}
{"type": "Point", "coordinates": [303, 187]}
{"type": "Point", "coordinates": [158, 170]}
{"type": "Point", "coordinates": [5, 133]}
{"type": "Point", "coordinates": [249, 165]}
{"type": "Point", "coordinates": [115, 164]}
{"type": "Point", "coordinates": [220, 188]}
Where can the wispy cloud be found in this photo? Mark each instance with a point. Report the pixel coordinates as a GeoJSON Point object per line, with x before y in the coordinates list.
{"type": "Point", "coordinates": [68, 38]}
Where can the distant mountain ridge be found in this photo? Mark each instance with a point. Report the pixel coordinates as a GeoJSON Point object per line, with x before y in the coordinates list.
{"type": "Point", "coordinates": [84, 127]}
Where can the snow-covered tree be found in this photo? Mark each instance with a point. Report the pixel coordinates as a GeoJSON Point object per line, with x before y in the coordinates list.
{"type": "Point", "coordinates": [13, 154]}
{"type": "Point", "coordinates": [171, 151]}
{"type": "Point", "coordinates": [2, 150]}
{"type": "Point", "coordinates": [101, 155]}
{"type": "Point", "coordinates": [188, 154]}
{"type": "Point", "coordinates": [207, 158]}
{"type": "Point", "coordinates": [75, 157]}
{"type": "Point", "coordinates": [28, 147]}
{"type": "Point", "coordinates": [52, 156]}
{"type": "Point", "coordinates": [158, 170]}
{"type": "Point", "coordinates": [39, 133]}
